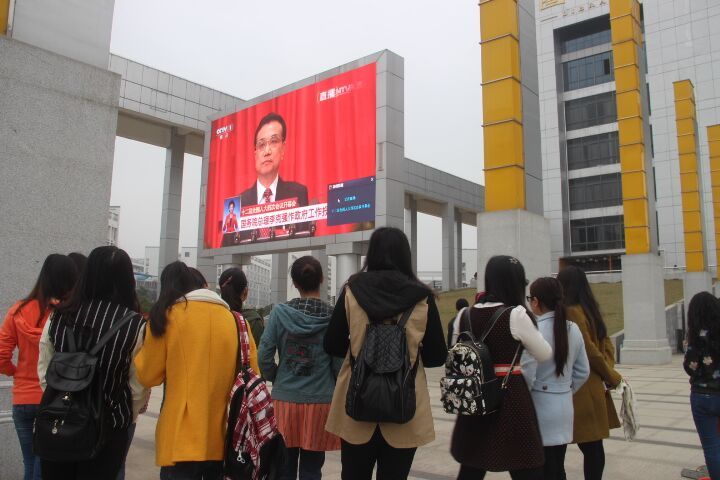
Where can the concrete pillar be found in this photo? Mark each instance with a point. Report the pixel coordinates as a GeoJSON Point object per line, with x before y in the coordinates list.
{"type": "Point", "coordinates": [694, 283]}
{"type": "Point", "coordinates": [646, 340]}
{"type": "Point", "coordinates": [449, 278]}
{"type": "Point", "coordinates": [279, 278]}
{"type": "Point", "coordinates": [172, 195]}
{"type": "Point", "coordinates": [322, 257]}
{"type": "Point", "coordinates": [411, 229]}
{"type": "Point", "coordinates": [347, 265]}
{"type": "Point", "coordinates": [458, 253]}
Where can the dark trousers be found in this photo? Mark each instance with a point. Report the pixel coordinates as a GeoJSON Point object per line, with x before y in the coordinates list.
{"type": "Point", "coordinates": [131, 434]}
{"type": "Point", "coordinates": [471, 473]}
{"type": "Point", "coordinates": [310, 463]}
{"type": "Point", "coordinates": [24, 417]}
{"type": "Point", "coordinates": [706, 413]}
{"type": "Point", "coordinates": [358, 461]}
{"type": "Point", "coordinates": [593, 459]}
{"type": "Point", "coordinates": [210, 470]}
{"type": "Point", "coordinates": [555, 462]}
{"type": "Point", "coordinates": [106, 463]}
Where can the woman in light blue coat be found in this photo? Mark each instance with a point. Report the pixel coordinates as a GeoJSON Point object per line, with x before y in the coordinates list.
{"type": "Point", "coordinates": [553, 382]}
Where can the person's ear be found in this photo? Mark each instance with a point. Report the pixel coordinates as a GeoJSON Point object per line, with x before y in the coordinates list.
{"type": "Point", "coordinates": [244, 294]}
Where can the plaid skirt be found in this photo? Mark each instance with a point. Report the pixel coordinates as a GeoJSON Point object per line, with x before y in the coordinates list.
{"type": "Point", "coordinates": [303, 425]}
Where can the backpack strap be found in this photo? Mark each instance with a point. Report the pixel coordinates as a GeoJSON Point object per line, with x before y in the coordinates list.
{"type": "Point", "coordinates": [405, 317]}
{"type": "Point", "coordinates": [493, 320]}
{"type": "Point", "coordinates": [110, 333]}
{"type": "Point", "coordinates": [242, 361]}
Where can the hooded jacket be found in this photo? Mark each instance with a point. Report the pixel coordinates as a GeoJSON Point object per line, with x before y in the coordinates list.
{"type": "Point", "coordinates": [306, 374]}
{"type": "Point", "coordinates": [22, 329]}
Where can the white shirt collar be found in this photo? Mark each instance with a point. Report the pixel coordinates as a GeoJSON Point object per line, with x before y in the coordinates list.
{"type": "Point", "coordinates": [261, 190]}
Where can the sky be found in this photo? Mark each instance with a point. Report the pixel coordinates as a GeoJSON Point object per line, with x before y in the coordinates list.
{"type": "Point", "coordinates": [249, 48]}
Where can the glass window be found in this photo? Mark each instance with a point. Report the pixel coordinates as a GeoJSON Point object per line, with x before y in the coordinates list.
{"type": "Point", "coordinates": [588, 71]}
{"type": "Point", "coordinates": [589, 111]}
{"type": "Point", "coordinates": [599, 233]}
{"type": "Point", "coordinates": [592, 151]}
{"type": "Point", "coordinates": [595, 192]}
{"type": "Point", "coordinates": [584, 35]}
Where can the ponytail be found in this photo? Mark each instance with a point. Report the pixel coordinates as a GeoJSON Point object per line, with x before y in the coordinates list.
{"type": "Point", "coordinates": [549, 293]}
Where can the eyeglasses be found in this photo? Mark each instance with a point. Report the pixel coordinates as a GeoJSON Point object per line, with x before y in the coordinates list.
{"type": "Point", "coordinates": [529, 298]}
{"type": "Point", "coordinates": [273, 141]}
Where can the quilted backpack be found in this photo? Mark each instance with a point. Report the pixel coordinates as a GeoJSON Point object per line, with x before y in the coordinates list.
{"type": "Point", "coordinates": [470, 385]}
{"type": "Point", "coordinates": [382, 382]}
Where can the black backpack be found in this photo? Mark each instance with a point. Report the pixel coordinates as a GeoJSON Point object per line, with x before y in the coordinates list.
{"type": "Point", "coordinates": [470, 385]}
{"type": "Point", "coordinates": [71, 423]}
{"type": "Point", "coordinates": [382, 383]}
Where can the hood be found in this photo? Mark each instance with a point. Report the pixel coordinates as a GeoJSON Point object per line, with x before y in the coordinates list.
{"type": "Point", "coordinates": [386, 293]}
{"type": "Point", "coordinates": [27, 319]}
{"type": "Point", "coordinates": [203, 295]}
{"type": "Point", "coordinates": [297, 322]}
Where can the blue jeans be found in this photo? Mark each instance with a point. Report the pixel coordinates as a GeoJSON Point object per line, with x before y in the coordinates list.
{"type": "Point", "coordinates": [706, 413]}
{"type": "Point", "coordinates": [311, 464]}
{"type": "Point", "coordinates": [24, 418]}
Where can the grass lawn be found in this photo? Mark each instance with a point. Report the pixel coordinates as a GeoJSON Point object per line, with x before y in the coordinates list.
{"type": "Point", "coordinates": [608, 295]}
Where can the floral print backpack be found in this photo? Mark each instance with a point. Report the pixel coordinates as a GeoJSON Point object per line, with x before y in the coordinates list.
{"type": "Point", "coordinates": [470, 385]}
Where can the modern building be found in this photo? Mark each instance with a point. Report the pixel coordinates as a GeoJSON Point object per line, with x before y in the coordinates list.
{"type": "Point", "coordinates": [581, 164]}
{"type": "Point", "coordinates": [188, 255]}
{"type": "Point", "coordinates": [113, 225]}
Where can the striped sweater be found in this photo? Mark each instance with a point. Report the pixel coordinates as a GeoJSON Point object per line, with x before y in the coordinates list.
{"type": "Point", "coordinates": [123, 393]}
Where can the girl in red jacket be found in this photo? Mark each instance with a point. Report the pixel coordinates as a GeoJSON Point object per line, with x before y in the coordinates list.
{"type": "Point", "coordinates": [21, 329]}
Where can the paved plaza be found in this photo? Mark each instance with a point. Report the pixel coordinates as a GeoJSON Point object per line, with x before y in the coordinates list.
{"type": "Point", "coordinates": [666, 443]}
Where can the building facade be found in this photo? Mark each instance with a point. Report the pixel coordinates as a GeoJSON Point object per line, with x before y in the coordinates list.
{"type": "Point", "coordinates": [581, 162]}
{"type": "Point", "coordinates": [258, 276]}
{"type": "Point", "coordinates": [113, 225]}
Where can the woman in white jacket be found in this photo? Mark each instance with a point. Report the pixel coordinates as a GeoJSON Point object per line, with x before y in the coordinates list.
{"type": "Point", "coordinates": [553, 382]}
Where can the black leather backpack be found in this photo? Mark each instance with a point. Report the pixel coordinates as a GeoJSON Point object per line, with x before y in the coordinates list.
{"type": "Point", "coordinates": [382, 383]}
{"type": "Point", "coordinates": [71, 423]}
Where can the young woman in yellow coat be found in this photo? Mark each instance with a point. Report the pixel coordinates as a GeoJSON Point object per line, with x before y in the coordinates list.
{"type": "Point", "coordinates": [191, 336]}
{"type": "Point", "coordinates": [595, 412]}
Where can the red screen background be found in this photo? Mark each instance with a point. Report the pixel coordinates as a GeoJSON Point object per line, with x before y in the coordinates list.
{"type": "Point", "coordinates": [327, 142]}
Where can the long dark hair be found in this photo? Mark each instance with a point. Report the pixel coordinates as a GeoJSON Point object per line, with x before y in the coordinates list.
{"type": "Point", "coordinates": [176, 280]}
{"type": "Point", "coordinates": [704, 314]}
{"type": "Point", "coordinates": [108, 276]}
{"type": "Point", "coordinates": [505, 281]}
{"type": "Point", "coordinates": [577, 292]}
{"type": "Point", "coordinates": [233, 283]}
{"type": "Point", "coordinates": [55, 281]}
{"type": "Point", "coordinates": [549, 293]}
{"type": "Point", "coordinates": [389, 249]}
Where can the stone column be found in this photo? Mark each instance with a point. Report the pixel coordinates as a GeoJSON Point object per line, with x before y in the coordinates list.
{"type": "Point", "coordinates": [458, 252]}
{"type": "Point", "coordinates": [279, 278]}
{"type": "Point", "coordinates": [411, 229]}
{"type": "Point", "coordinates": [448, 247]}
{"type": "Point", "coordinates": [347, 260]}
{"type": "Point", "coordinates": [172, 195]}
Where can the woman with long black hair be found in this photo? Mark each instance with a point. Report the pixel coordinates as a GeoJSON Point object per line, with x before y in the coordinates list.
{"type": "Point", "coordinates": [385, 288]}
{"type": "Point", "coordinates": [702, 363]}
{"type": "Point", "coordinates": [191, 346]}
{"type": "Point", "coordinates": [595, 412]}
{"type": "Point", "coordinates": [507, 440]}
{"type": "Point", "coordinates": [102, 297]}
{"type": "Point", "coordinates": [553, 382]}
{"type": "Point", "coordinates": [21, 329]}
{"type": "Point", "coordinates": [234, 290]}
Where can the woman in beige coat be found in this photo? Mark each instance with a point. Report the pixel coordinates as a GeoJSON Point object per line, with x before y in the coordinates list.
{"type": "Point", "coordinates": [595, 412]}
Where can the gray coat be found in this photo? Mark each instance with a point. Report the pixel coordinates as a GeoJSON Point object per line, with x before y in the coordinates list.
{"type": "Point", "coordinates": [551, 394]}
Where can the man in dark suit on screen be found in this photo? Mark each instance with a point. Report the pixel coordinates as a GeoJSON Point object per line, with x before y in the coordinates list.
{"type": "Point", "coordinates": [270, 136]}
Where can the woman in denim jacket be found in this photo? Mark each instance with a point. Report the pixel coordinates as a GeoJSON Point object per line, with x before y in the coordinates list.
{"type": "Point", "coordinates": [553, 382]}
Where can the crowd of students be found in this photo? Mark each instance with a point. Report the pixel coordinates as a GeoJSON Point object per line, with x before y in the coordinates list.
{"type": "Point", "coordinates": [557, 394]}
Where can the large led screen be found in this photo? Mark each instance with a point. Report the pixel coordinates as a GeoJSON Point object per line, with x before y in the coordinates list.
{"type": "Point", "coordinates": [299, 165]}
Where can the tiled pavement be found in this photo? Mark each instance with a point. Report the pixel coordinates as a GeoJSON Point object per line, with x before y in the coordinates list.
{"type": "Point", "coordinates": [666, 443]}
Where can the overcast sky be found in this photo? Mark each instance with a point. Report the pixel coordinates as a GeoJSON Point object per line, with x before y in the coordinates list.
{"type": "Point", "coordinates": [249, 48]}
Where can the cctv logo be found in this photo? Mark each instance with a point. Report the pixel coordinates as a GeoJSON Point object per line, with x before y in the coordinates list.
{"type": "Point", "coordinates": [224, 132]}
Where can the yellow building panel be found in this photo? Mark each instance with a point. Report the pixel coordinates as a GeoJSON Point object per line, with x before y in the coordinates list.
{"type": "Point", "coordinates": [684, 109]}
{"type": "Point", "coordinates": [625, 29]}
{"type": "Point", "coordinates": [632, 157]}
{"type": "Point", "coordinates": [625, 53]}
{"type": "Point", "coordinates": [713, 133]}
{"type": "Point", "coordinates": [504, 189]}
{"type": "Point", "coordinates": [692, 221]}
{"type": "Point", "coordinates": [500, 59]}
{"type": "Point", "coordinates": [637, 240]}
{"type": "Point", "coordinates": [634, 185]}
{"type": "Point", "coordinates": [715, 193]}
{"type": "Point", "coordinates": [689, 182]}
{"type": "Point", "coordinates": [693, 241]}
{"type": "Point", "coordinates": [694, 261]}
{"type": "Point", "coordinates": [503, 145]}
{"type": "Point", "coordinates": [629, 104]}
{"type": "Point", "coordinates": [688, 163]}
{"type": "Point", "coordinates": [683, 90]}
{"type": "Point", "coordinates": [685, 126]}
{"type": "Point", "coordinates": [687, 144]}
{"type": "Point", "coordinates": [690, 201]}
{"type": "Point", "coordinates": [716, 213]}
{"type": "Point", "coordinates": [619, 8]}
{"type": "Point", "coordinates": [502, 101]}
{"type": "Point", "coordinates": [714, 162]}
{"type": "Point", "coordinates": [635, 212]}
{"type": "Point", "coordinates": [627, 78]}
{"type": "Point", "coordinates": [498, 18]}
{"type": "Point", "coordinates": [631, 130]}
{"type": "Point", "coordinates": [4, 15]}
